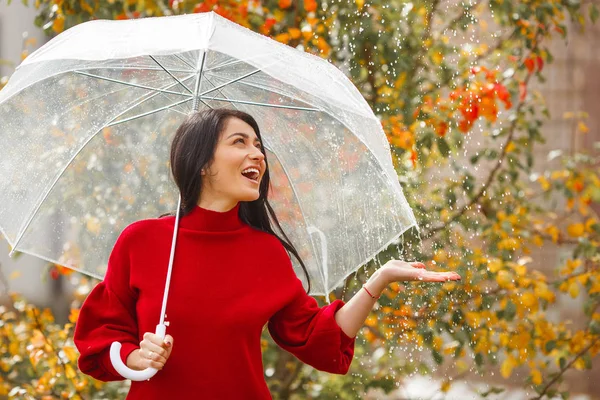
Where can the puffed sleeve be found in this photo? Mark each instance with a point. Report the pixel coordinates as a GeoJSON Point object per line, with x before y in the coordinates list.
{"type": "Point", "coordinates": [108, 315]}
{"type": "Point", "coordinates": [310, 332]}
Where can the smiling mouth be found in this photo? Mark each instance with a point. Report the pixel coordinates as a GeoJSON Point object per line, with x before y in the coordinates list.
{"type": "Point", "coordinates": [252, 176]}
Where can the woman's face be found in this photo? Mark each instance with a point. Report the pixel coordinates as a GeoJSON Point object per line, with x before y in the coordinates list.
{"type": "Point", "coordinates": [236, 170]}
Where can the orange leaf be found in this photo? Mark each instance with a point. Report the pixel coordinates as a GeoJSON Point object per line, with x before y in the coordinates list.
{"type": "Point", "coordinates": [540, 63]}
{"type": "Point", "coordinates": [522, 91]}
{"type": "Point", "coordinates": [530, 64]}
{"type": "Point", "coordinates": [310, 5]}
{"type": "Point", "coordinates": [283, 4]}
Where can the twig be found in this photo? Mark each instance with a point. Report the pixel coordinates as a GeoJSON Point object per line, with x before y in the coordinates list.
{"type": "Point", "coordinates": [493, 172]}
{"type": "Point", "coordinates": [565, 368]}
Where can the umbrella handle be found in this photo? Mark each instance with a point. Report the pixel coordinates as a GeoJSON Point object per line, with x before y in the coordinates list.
{"type": "Point", "coordinates": [124, 370]}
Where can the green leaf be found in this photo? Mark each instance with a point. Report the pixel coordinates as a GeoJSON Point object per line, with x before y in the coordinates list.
{"type": "Point", "coordinates": [438, 358]}
{"type": "Point", "coordinates": [443, 147]}
{"type": "Point", "coordinates": [479, 359]}
{"type": "Point", "coordinates": [550, 345]}
{"type": "Point", "coordinates": [595, 327]}
{"type": "Point", "coordinates": [510, 311]}
{"type": "Point", "coordinates": [562, 362]}
{"type": "Point", "coordinates": [594, 13]}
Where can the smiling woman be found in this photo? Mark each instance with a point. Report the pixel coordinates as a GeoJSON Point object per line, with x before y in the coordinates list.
{"type": "Point", "coordinates": [232, 275]}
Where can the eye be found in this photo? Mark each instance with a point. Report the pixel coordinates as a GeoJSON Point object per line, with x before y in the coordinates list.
{"type": "Point", "coordinates": [238, 140]}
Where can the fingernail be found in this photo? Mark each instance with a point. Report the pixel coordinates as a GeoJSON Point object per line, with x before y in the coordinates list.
{"type": "Point", "coordinates": [168, 343]}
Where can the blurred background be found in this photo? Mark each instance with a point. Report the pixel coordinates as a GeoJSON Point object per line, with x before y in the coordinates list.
{"type": "Point", "coordinates": [492, 111]}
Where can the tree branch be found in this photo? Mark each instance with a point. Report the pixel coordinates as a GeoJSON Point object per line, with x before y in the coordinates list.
{"type": "Point", "coordinates": [565, 368]}
{"type": "Point", "coordinates": [493, 172]}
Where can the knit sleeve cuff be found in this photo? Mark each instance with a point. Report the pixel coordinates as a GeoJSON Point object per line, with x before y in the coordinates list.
{"type": "Point", "coordinates": [126, 349]}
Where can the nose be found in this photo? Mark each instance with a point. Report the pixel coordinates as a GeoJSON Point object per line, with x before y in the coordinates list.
{"type": "Point", "coordinates": [257, 155]}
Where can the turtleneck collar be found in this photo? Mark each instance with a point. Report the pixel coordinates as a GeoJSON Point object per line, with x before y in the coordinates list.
{"type": "Point", "coordinates": [202, 219]}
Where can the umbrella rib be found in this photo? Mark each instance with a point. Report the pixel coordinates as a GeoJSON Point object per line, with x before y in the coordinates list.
{"type": "Point", "coordinates": [170, 74]}
{"type": "Point", "coordinates": [230, 82]}
{"type": "Point", "coordinates": [253, 103]}
{"type": "Point", "coordinates": [148, 113]}
{"type": "Point", "coordinates": [43, 198]}
{"type": "Point", "coordinates": [197, 88]}
{"type": "Point", "coordinates": [184, 61]}
{"type": "Point", "coordinates": [136, 68]}
{"type": "Point", "coordinates": [131, 84]}
{"type": "Point", "coordinates": [276, 91]}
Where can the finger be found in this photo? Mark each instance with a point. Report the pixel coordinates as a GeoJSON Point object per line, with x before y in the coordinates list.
{"type": "Point", "coordinates": [152, 359]}
{"type": "Point", "coordinates": [155, 364]}
{"type": "Point", "coordinates": [431, 276]}
{"type": "Point", "coordinates": [153, 338]}
{"type": "Point", "coordinates": [168, 344]}
{"type": "Point", "coordinates": [417, 264]}
{"type": "Point", "coordinates": [151, 347]}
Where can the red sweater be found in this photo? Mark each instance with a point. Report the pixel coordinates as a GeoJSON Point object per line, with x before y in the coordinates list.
{"type": "Point", "coordinates": [228, 281]}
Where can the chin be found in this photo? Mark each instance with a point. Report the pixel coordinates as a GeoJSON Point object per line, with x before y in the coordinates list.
{"type": "Point", "coordinates": [249, 196]}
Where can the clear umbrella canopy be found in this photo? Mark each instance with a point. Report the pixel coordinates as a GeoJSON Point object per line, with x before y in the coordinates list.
{"type": "Point", "coordinates": [87, 122]}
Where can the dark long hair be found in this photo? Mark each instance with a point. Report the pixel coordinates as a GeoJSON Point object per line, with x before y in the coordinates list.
{"type": "Point", "coordinates": [193, 149]}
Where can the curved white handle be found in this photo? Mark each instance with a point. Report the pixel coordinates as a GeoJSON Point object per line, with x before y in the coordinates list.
{"type": "Point", "coordinates": [124, 370]}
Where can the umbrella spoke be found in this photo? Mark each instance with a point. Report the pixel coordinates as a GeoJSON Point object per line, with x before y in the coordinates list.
{"type": "Point", "coordinates": [254, 103]}
{"type": "Point", "coordinates": [230, 82]}
{"type": "Point", "coordinates": [170, 74]}
{"type": "Point", "coordinates": [197, 89]}
{"type": "Point", "coordinates": [184, 61]}
{"type": "Point", "coordinates": [131, 68]}
{"type": "Point", "coordinates": [271, 90]}
{"type": "Point", "coordinates": [131, 84]}
{"type": "Point", "coordinates": [149, 112]}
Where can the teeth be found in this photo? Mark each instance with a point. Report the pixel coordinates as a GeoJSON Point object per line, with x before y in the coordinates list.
{"type": "Point", "coordinates": [251, 171]}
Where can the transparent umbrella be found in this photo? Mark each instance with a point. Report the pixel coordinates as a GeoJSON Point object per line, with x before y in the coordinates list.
{"type": "Point", "coordinates": [87, 121]}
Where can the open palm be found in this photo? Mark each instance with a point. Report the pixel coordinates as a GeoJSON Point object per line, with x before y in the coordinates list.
{"type": "Point", "coordinates": [396, 270]}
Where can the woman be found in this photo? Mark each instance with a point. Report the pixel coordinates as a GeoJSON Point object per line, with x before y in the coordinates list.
{"type": "Point", "coordinates": [232, 275]}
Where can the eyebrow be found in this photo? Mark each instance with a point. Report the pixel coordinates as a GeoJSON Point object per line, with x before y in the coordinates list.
{"type": "Point", "coordinates": [244, 135]}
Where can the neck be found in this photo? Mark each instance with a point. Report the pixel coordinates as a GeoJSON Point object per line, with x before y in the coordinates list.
{"type": "Point", "coordinates": [218, 205]}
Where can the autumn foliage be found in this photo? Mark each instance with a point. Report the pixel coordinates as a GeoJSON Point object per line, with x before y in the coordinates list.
{"type": "Point", "coordinates": [441, 78]}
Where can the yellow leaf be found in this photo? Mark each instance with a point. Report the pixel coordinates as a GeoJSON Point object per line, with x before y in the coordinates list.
{"type": "Point", "coordinates": [494, 265]}
{"type": "Point", "coordinates": [359, 4]}
{"type": "Point", "coordinates": [589, 223]}
{"type": "Point", "coordinates": [544, 182]}
{"type": "Point", "coordinates": [574, 289]}
{"type": "Point", "coordinates": [70, 372]}
{"type": "Point", "coordinates": [74, 315]}
{"type": "Point", "coordinates": [576, 230]}
{"type": "Point", "coordinates": [437, 57]}
{"type": "Point", "coordinates": [445, 386]}
{"type": "Point", "coordinates": [536, 377]}
{"type": "Point", "coordinates": [528, 300]}
{"type": "Point", "coordinates": [583, 127]}
{"type": "Point", "coordinates": [510, 147]}
{"type": "Point", "coordinates": [71, 353]}
{"type": "Point", "coordinates": [553, 232]}
{"type": "Point", "coordinates": [507, 366]}
{"type": "Point", "coordinates": [595, 287]}
{"type": "Point", "coordinates": [504, 279]}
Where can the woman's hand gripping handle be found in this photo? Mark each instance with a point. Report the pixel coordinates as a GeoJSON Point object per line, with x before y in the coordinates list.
{"type": "Point", "coordinates": [144, 363]}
